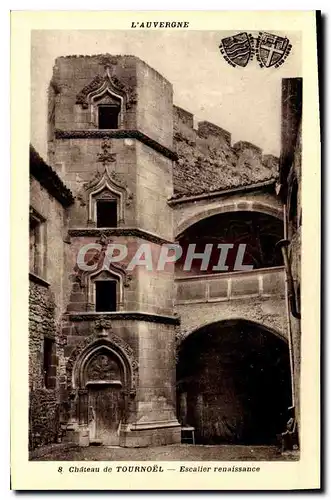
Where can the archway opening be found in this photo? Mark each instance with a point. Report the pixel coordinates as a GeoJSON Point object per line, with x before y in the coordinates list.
{"type": "Point", "coordinates": [259, 233]}
{"type": "Point", "coordinates": [234, 383]}
{"type": "Point", "coordinates": [102, 375]}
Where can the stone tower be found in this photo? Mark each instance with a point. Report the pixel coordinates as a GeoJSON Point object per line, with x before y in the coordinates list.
{"type": "Point", "coordinates": [110, 139]}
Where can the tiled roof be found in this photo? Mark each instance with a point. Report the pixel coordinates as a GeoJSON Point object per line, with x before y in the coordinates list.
{"type": "Point", "coordinates": [49, 179]}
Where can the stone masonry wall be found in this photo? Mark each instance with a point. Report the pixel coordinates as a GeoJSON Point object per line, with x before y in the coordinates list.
{"type": "Point", "coordinates": [295, 258]}
{"type": "Point", "coordinates": [47, 300]}
{"type": "Point", "coordinates": [43, 404]}
{"type": "Point", "coordinates": [207, 161]}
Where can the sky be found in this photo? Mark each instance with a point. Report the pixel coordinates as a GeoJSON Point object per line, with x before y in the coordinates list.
{"type": "Point", "coordinates": [244, 101]}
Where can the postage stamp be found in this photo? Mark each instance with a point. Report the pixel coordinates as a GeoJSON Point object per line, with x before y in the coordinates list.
{"type": "Point", "coordinates": [164, 328]}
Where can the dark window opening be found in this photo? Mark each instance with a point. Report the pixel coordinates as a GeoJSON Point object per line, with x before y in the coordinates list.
{"type": "Point", "coordinates": [108, 116]}
{"type": "Point", "coordinates": [37, 244]}
{"type": "Point", "coordinates": [48, 365]}
{"type": "Point", "coordinates": [105, 296]}
{"type": "Point", "coordinates": [107, 213]}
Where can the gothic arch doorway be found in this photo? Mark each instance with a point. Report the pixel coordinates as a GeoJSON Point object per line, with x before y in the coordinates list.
{"type": "Point", "coordinates": [234, 383]}
{"type": "Point", "coordinates": [102, 376]}
{"type": "Point", "coordinates": [104, 381]}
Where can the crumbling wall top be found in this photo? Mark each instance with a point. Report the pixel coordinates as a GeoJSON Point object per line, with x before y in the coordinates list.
{"type": "Point", "coordinates": [208, 162]}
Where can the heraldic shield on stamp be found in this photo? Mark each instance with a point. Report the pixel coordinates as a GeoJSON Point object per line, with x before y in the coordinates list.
{"type": "Point", "coordinates": [164, 329]}
{"type": "Point", "coordinates": [270, 50]}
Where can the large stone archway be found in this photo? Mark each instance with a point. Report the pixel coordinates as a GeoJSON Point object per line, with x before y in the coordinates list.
{"type": "Point", "coordinates": [189, 213]}
{"type": "Point", "coordinates": [234, 383]}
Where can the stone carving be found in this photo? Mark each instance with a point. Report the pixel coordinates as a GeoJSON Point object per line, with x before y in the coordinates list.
{"type": "Point", "coordinates": [118, 343]}
{"type": "Point", "coordinates": [107, 81]}
{"type": "Point", "coordinates": [103, 323]}
{"type": "Point", "coordinates": [81, 98]}
{"type": "Point", "coordinates": [102, 367]}
{"type": "Point", "coordinates": [74, 356]}
{"type": "Point", "coordinates": [106, 156]}
{"type": "Point", "coordinates": [180, 335]}
{"type": "Point", "coordinates": [150, 317]}
{"type": "Point", "coordinates": [80, 198]}
{"type": "Point", "coordinates": [107, 60]}
{"type": "Point", "coordinates": [108, 178]}
{"type": "Point", "coordinates": [105, 195]}
{"type": "Point", "coordinates": [104, 240]}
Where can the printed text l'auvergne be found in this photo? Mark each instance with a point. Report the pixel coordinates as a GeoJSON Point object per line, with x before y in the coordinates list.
{"type": "Point", "coordinates": [160, 24]}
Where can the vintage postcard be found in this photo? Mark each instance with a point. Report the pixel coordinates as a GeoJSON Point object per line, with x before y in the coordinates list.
{"type": "Point", "coordinates": [165, 324]}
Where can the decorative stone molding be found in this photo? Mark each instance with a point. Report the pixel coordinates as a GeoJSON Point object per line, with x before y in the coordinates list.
{"type": "Point", "coordinates": [268, 186]}
{"type": "Point", "coordinates": [92, 344]}
{"type": "Point", "coordinates": [119, 231]}
{"type": "Point", "coordinates": [127, 315]}
{"type": "Point", "coordinates": [114, 273]}
{"type": "Point", "coordinates": [116, 268]}
{"type": "Point", "coordinates": [104, 270]}
{"type": "Point", "coordinates": [107, 83]}
{"type": "Point", "coordinates": [117, 134]}
{"type": "Point", "coordinates": [106, 185]}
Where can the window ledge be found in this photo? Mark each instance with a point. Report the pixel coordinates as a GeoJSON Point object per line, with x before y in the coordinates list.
{"type": "Point", "coordinates": [37, 279]}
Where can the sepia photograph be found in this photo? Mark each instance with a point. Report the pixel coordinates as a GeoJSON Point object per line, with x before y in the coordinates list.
{"type": "Point", "coordinates": [165, 319]}
{"type": "Point", "coordinates": [165, 228]}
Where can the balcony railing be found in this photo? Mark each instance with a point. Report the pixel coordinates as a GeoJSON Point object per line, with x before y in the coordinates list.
{"type": "Point", "coordinates": [266, 282]}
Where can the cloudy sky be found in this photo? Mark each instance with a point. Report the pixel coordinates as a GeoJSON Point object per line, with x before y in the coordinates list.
{"type": "Point", "coordinates": [244, 101]}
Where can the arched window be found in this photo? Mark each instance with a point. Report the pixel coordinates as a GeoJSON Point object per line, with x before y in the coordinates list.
{"type": "Point", "coordinates": [257, 231]}
{"type": "Point", "coordinates": [106, 201]}
{"type": "Point", "coordinates": [105, 290]}
{"type": "Point", "coordinates": [103, 100]}
{"type": "Point", "coordinates": [106, 107]}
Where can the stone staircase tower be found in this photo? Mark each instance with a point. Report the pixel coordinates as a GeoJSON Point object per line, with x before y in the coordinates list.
{"type": "Point", "coordinates": [110, 139]}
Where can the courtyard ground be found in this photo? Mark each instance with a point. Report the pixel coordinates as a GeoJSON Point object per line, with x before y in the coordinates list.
{"type": "Point", "coordinates": [59, 452]}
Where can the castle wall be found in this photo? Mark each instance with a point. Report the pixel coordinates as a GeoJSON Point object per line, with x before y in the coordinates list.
{"type": "Point", "coordinates": [154, 188]}
{"type": "Point", "coordinates": [290, 192]}
{"type": "Point", "coordinates": [207, 161]}
{"type": "Point", "coordinates": [48, 294]}
{"type": "Point", "coordinates": [154, 114]}
{"type": "Point", "coordinates": [295, 259]}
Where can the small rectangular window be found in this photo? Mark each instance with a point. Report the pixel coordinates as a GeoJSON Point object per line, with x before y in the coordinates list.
{"type": "Point", "coordinates": [107, 213]}
{"type": "Point", "coordinates": [37, 244]}
{"type": "Point", "coordinates": [105, 296]}
{"type": "Point", "coordinates": [48, 365]}
{"type": "Point", "coordinates": [108, 116]}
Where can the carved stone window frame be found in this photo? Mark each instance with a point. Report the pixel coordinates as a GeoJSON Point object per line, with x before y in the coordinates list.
{"type": "Point", "coordinates": [116, 192]}
{"type": "Point", "coordinates": [98, 97]}
{"type": "Point", "coordinates": [39, 265]}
